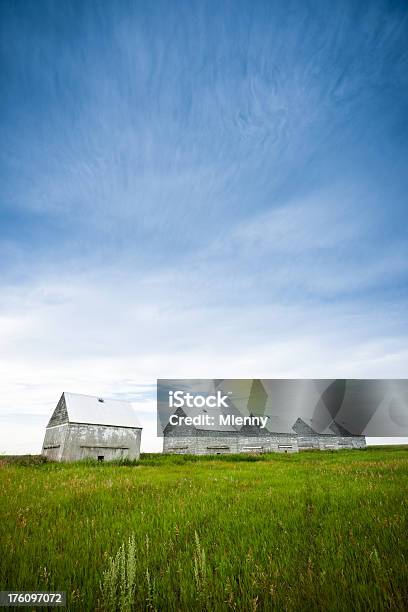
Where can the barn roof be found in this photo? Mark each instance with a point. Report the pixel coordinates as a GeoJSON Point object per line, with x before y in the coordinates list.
{"type": "Point", "coordinates": [77, 408]}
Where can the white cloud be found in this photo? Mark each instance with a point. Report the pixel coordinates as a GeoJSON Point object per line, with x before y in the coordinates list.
{"type": "Point", "coordinates": [117, 338]}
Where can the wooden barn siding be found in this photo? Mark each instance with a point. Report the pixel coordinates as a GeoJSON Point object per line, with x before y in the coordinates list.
{"type": "Point", "coordinates": [54, 441]}
{"type": "Point", "coordinates": [235, 443]}
{"type": "Point", "coordinates": [60, 414]}
{"type": "Point", "coordinates": [205, 442]}
{"type": "Point", "coordinates": [78, 441]}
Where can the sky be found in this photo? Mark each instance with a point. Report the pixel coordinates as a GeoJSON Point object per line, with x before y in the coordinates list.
{"type": "Point", "coordinates": [198, 190]}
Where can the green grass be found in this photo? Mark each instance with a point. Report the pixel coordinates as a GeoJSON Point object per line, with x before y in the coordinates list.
{"type": "Point", "coordinates": [312, 531]}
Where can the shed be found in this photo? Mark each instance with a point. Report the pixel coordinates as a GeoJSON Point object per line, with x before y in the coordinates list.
{"type": "Point", "coordinates": [84, 426]}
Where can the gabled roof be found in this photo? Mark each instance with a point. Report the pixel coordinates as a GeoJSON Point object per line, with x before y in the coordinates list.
{"type": "Point", "coordinates": [302, 428]}
{"type": "Point", "coordinates": [339, 430]}
{"type": "Point", "coordinates": [77, 408]}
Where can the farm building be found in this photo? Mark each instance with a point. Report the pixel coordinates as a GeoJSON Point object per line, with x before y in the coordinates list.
{"type": "Point", "coordinates": [252, 439]}
{"type": "Point", "coordinates": [290, 415]}
{"type": "Point", "coordinates": [83, 426]}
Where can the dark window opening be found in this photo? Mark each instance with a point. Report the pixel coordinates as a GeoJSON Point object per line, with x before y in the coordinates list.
{"type": "Point", "coordinates": [100, 399]}
{"type": "Point", "coordinates": [100, 457]}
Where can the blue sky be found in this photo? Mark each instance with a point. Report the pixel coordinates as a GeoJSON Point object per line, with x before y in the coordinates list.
{"type": "Point", "coordinates": [199, 189]}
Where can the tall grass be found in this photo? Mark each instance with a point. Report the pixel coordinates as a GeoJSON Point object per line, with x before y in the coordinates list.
{"type": "Point", "coordinates": [200, 573]}
{"type": "Point", "coordinates": [313, 531]}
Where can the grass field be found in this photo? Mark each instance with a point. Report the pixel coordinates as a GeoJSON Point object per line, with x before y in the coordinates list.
{"type": "Point", "coordinates": [311, 531]}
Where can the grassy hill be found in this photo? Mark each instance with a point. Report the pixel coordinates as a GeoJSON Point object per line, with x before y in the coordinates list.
{"type": "Point", "coordinates": [311, 531]}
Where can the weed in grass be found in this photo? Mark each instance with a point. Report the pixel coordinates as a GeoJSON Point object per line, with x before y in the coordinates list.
{"type": "Point", "coordinates": [200, 572]}
{"type": "Point", "coordinates": [119, 579]}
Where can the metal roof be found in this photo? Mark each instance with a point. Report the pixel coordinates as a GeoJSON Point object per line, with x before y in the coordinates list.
{"type": "Point", "coordinates": [100, 411]}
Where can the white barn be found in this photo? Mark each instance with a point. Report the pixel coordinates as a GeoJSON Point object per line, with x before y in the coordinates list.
{"type": "Point", "coordinates": [83, 426]}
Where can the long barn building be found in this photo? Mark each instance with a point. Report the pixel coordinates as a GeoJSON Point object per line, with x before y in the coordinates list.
{"type": "Point", "coordinates": [253, 439]}
{"type": "Point", "coordinates": [275, 415]}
